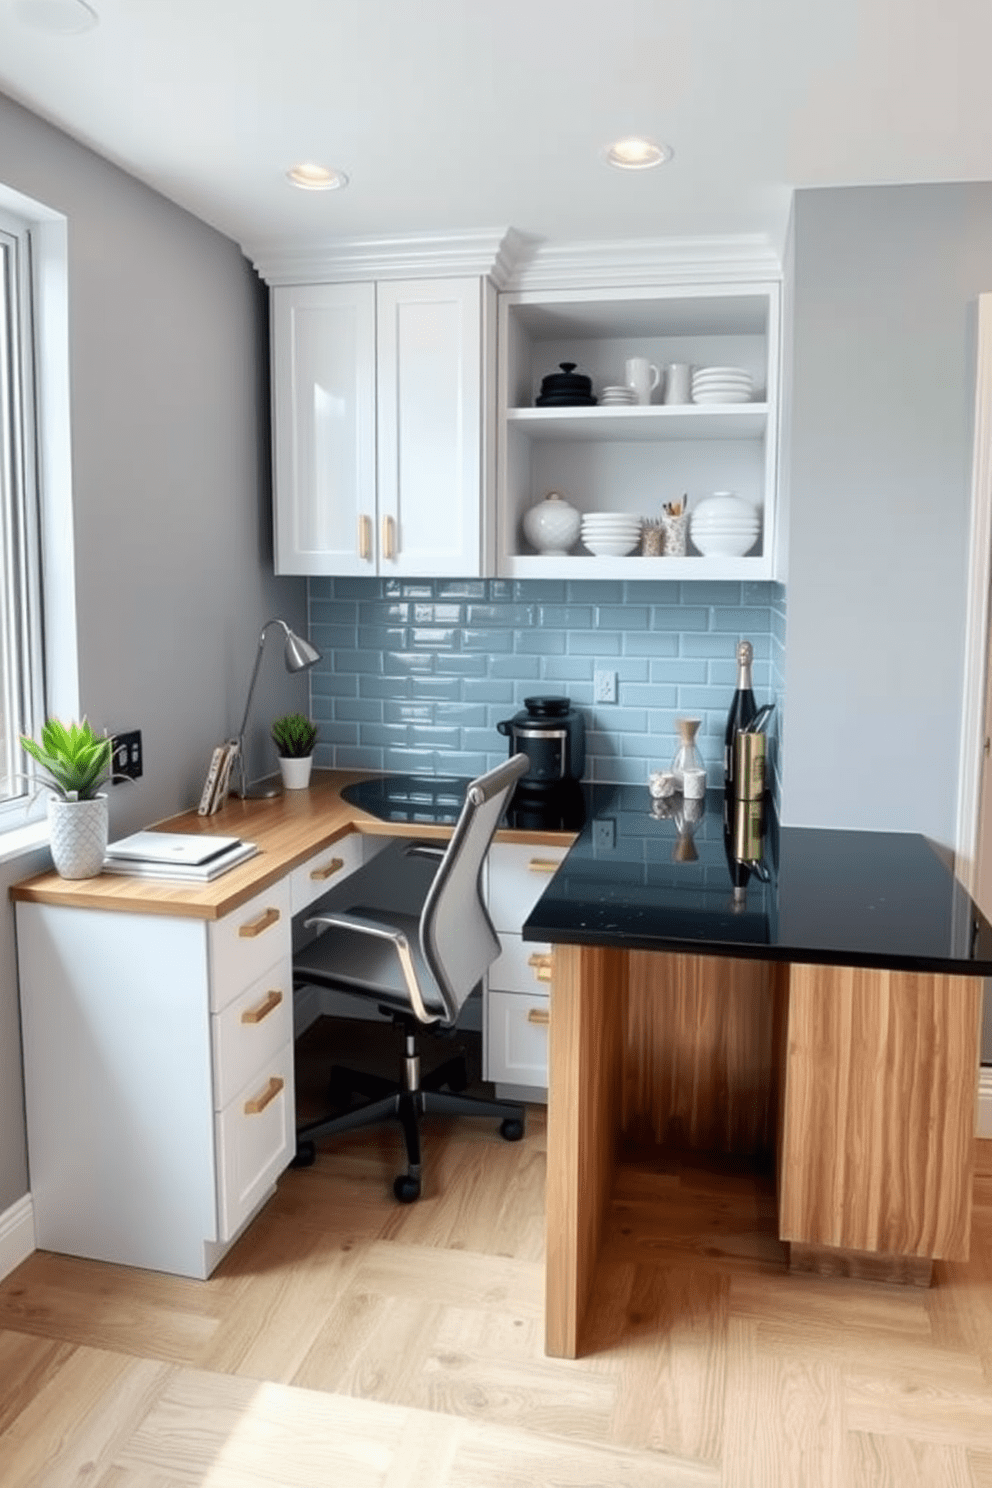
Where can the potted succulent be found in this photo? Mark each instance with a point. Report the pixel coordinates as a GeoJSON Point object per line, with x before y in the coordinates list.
{"type": "Point", "coordinates": [294, 737]}
{"type": "Point", "coordinates": [75, 762]}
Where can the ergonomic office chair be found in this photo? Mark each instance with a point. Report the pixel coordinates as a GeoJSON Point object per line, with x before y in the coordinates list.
{"type": "Point", "coordinates": [418, 968]}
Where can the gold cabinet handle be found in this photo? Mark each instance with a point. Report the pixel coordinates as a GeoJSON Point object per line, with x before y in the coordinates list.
{"type": "Point", "coordinates": [258, 1103]}
{"type": "Point", "coordinates": [267, 918]}
{"type": "Point", "coordinates": [538, 1015]}
{"type": "Point", "coordinates": [365, 538]}
{"type": "Point", "coordinates": [540, 962]}
{"type": "Point", "coordinates": [543, 865]}
{"type": "Point", "coordinates": [388, 537]}
{"type": "Point", "coordinates": [327, 870]}
{"type": "Point", "coordinates": [268, 1005]}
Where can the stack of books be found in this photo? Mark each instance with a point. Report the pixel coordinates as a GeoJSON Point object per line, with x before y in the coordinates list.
{"type": "Point", "coordinates": [218, 780]}
{"type": "Point", "coordinates": [188, 857]}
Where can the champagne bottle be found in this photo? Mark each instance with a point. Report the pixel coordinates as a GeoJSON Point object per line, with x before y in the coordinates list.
{"type": "Point", "coordinates": [742, 709]}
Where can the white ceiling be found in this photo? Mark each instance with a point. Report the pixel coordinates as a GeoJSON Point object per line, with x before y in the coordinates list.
{"type": "Point", "coordinates": [459, 114]}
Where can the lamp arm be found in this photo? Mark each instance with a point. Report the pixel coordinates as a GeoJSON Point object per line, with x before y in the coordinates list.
{"type": "Point", "coordinates": [242, 765]}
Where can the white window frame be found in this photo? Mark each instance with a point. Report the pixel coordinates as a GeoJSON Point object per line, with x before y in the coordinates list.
{"type": "Point", "coordinates": [39, 532]}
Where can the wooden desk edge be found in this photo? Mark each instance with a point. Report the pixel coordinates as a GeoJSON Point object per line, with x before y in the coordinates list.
{"type": "Point", "coordinates": [288, 829]}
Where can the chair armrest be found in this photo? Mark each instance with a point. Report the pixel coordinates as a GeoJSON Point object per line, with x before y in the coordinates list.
{"type": "Point", "coordinates": [425, 850]}
{"type": "Point", "coordinates": [362, 925]}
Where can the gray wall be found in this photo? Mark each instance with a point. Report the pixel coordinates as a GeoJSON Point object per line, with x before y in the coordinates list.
{"type": "Point", "coordinates": [171, 497]}
{"type": "Point", "coordinates": [879, 462]}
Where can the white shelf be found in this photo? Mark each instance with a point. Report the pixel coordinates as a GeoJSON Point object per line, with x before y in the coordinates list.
{"type": "Point", "coordinates": [674, 570]}
{"type": "Point", "coordinates": [689, 421]}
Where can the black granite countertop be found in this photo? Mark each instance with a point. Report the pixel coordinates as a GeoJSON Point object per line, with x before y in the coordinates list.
{"type": "Point", "coordinates": [643, 875]}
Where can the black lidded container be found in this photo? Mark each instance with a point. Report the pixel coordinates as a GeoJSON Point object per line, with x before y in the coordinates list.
{"type": "Point", "coordinates": [565, 389]}
{"type": "Point", "coordinates": [552, 734]}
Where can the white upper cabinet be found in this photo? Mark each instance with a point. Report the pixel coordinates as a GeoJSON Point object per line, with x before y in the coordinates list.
{"type": "Point", "coordinates": [636, 459]}
{"type": "Point", "coordinates": [381, 442]}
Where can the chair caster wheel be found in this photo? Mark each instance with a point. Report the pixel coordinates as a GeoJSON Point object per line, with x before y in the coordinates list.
{"type": "Point", "coordinates": [406, 1189]}
{"type": "Point", "coordinates": [511, 1130]}
{"type": "Point", "coordinates": [306, 1155]}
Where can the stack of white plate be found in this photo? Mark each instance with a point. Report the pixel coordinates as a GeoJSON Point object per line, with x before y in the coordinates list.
{"type": "Point", "coordinates": [617, 395]}
{"type": "Point", "coordinates": [610, 534]}
{"type": "Point", "coordinates": [724, 526]}
{"type": "Point", "coordinates": [721, 385]}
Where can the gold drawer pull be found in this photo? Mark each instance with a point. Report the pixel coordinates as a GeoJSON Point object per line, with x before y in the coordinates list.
{"type": "Point", "coordinates": [365, 538]}
{"type": "Point", "coordinates": [267, 918]}
{"type": "Point", "coordinates": [540, 963]}
{"type": "Point", "coordinates": [258, 1103]}
{"type": "Point", "coordinates": [388, 537]}
{"type": "Point", "coordinates": [327, 870]}
{"type": "Point", "coordinates": [268, 1005]}
{"type": "Point", "coordinates": [538, 1015]}
{"type": "Point", "coordinates": [543, 865]}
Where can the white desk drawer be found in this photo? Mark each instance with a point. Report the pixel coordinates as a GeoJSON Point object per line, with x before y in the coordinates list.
{"type": "Point", "coordinates": [325, 869]}
{"type": "Point", "coordinates": [521, 966]}
{"type": "Point", "coordinates": [518, 876]}
{"type": "Point", "coordinates": [256, 1139]}
{"type": "Point", "coordinates": [245, 943]}
{"type": "Point", "coordinates": [517, 1039]}
{"type": "Point", "coordinates": [250, 1030]}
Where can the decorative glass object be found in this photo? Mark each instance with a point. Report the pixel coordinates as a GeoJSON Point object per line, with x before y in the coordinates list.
{"type": "Point", "coordinates": [687, 756]}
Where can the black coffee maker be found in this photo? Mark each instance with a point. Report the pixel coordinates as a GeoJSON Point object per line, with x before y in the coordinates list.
{"type": "Point", "coordinates": [551, 733]}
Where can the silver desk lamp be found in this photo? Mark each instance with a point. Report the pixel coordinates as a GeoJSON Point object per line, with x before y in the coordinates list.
{"type": "Point", "coordinates": [298, 656]}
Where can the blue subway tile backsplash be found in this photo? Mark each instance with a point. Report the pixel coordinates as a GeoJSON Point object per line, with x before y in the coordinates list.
{"type": "Point", "coordinates": [416, 675]}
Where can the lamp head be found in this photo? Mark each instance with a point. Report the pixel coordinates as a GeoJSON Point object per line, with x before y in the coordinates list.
{"type": "Point", "coordinates": [298, 653]}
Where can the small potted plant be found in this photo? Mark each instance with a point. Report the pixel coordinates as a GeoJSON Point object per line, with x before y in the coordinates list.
{"type": "Point", "coordinates": [294, 737]}
{"type": "Point", "coordinates": [76, 763]}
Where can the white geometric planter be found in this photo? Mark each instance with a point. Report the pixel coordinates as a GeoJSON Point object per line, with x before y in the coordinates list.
{"type": "Point", "coordinates": [78, 836]}
{"type": "Point", "coordinates": [295, 772]}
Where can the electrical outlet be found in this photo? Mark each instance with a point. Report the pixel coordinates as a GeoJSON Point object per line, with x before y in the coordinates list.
{"type": "Point", "coordinates": [126, 754]}
{"type": "Point", "coordinates": [604, 687]}
{"type": "Point", "coordinates": [604, 834]}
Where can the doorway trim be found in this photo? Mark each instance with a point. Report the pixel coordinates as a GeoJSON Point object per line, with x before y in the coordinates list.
{"type": "Point", "coordinates": [977, 618]}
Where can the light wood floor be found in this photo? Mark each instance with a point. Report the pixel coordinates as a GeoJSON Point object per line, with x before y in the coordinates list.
{"type": "Point", "coordinates": [351, 1342]}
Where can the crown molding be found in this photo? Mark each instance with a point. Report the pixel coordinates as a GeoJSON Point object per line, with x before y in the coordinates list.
{"type": "Point", "coordinates": [747, 258]}
{"type": "Point", "coordinates": [515, 261]}
{"type": "Point", "coordinates": [492, 253]}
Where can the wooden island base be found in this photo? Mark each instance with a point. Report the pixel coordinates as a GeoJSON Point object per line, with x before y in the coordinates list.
{"type": "Point", "coordinates": [859, 1084]}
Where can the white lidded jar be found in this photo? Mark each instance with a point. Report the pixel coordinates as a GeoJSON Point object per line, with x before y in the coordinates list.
{"type": "Point", "coordinates": [552, 526]}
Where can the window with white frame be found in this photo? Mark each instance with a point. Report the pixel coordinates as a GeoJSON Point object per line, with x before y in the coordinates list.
{"type": "Point", "coordinates": [21, 630]}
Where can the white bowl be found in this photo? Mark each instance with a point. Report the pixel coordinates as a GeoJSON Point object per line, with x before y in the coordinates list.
{"type": "Point", "coordinates": [721, 372]}
{"type": "Point", "coordinates": [724, 526]}
{"type": "Point", "coordinates": [610, 548]}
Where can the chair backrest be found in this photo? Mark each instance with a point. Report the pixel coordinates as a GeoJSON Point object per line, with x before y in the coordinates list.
{"type": "Point", "coordinates": [456, 934]}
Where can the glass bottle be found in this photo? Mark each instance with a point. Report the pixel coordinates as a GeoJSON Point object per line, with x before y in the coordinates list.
{"type": "Point", "coordinates": [687, 756]}
{"type": "Point", "coordinates": [742, 709]}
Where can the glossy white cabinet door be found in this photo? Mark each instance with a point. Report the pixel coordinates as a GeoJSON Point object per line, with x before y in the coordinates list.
{"type": "Point", "coordinates": [430, 476]}
{"type": "Point", "coordinates": [323, 400]}
{"type": "Point", "coordinates": [382, 448]}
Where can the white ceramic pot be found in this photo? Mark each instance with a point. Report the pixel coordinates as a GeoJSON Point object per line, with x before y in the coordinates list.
{"type": "Point", "coordinates": [78, 836]}
{"type": "Point", "coordinates": [552, 526]}
{"type": "Point", "coordinates": [295, 772]}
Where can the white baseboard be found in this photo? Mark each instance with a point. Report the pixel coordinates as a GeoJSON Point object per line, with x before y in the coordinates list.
{"type": "Point", "coordinates": [984, 1123]}
{"type": "Point", "coordinates": [16, 1235]}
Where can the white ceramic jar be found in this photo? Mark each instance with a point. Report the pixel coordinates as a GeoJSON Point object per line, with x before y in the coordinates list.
{"type": "Point", "coordinates": [552, 526]}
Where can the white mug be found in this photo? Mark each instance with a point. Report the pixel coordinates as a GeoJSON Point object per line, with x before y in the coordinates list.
{"type": "Point", "coordinates": [678, 383]}
{"type": "Point", "coordinates": [643, 376]}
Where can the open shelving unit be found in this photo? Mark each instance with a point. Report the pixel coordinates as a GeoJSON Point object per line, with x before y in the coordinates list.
{"type": "Point", "coordinates": [634, 459]}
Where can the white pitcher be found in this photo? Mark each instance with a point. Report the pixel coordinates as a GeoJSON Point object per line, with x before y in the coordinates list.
{"type": "Point", "coordinates": [643, 376]}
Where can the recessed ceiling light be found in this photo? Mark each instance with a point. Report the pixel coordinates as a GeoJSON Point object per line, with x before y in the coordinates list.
{"type": "Point", "coordinates": [317, 177]}
{"type": "Point", "coordinates": [59, 17]}
{"type": "Point", "coordinates": [637, 154]}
